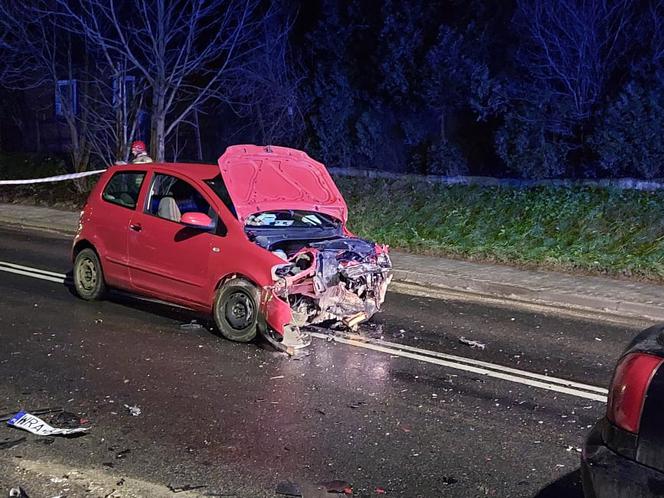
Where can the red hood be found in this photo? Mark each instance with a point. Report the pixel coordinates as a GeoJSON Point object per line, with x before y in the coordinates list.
{"type": "Point", "coordinates": [276, 178]}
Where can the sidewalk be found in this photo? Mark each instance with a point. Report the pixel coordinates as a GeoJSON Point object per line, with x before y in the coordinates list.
{"type": "Point", "coordinates": [615, 297]}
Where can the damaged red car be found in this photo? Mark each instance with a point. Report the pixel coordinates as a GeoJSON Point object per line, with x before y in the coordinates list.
{"type": "Point", "coordinates": [258, 241]}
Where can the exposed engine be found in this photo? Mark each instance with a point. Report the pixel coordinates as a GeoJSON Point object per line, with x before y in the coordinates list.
{"type": "Point", "coordinates": [342, 280]}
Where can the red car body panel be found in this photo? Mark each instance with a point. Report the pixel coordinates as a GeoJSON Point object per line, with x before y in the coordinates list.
{"type": "Point", "coordinates": [153, 256]}
{"type": "Point", "coordinates": [275, 178]}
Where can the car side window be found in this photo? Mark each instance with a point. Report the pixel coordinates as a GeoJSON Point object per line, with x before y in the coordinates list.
{"type": "Point", "coordinates": [123, 188]}
{"type": "Point", "coordinates": [170, 198]}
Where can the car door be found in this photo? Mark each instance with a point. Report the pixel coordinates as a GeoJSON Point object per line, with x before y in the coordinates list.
{"type": "Point", "coordinates": [119, 201]}
{"type": "Point", "coordinates": [168, 259]}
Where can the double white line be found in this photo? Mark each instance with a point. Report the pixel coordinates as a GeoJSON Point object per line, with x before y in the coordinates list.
{"type": "Point", "coordinates": [473, 366]}
{"type": "Point", "coordinates": [32, 272]}
{"type": "Point", "coordinates": [434, 357]}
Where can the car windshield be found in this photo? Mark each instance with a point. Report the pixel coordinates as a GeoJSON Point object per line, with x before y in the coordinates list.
{"type": "Point", "coordinates": [291, 219]}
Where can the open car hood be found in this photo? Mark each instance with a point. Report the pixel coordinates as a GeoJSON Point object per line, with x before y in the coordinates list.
{"type": "Point", "coordinates": [275, 178]}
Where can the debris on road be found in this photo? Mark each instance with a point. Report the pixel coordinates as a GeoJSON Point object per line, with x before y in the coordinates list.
{"type": "Point", "coordinates": [134, 411]}
{"type": "Point", "coordinates": [41, 411]}
{"type": "Point", "coordinates": [17, 492]}
{"type": "Point", "coordinates": [31, 423]}
{"type": "Point", "coordinates": [277, 377]}
{"type": "Point", "coordinates": [380, 491]}
{"type": "Point", "coordinates": [288, 488]}
{"type": "Point", "coordinates": [338, 486]}
{"type": "Point", "coordinates": [471, 343]}
{"type": "Point", "coordinates": [5, 445]}
{"type": "Point", "coordinates": [120, 455]}
{"type": "Point", "coordinates": [185, 487]}
{"type": "Point", "coordinates": [66, 420]}
{"type": "Point", "coordinates": [192, 325]}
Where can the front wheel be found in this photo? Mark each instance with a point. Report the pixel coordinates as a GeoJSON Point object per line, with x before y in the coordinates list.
{"type": "Point", "coordinates": [88, 276]}
{"type": "Point", "coordinates": [236, 310]}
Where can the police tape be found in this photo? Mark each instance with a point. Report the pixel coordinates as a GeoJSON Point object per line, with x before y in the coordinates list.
{"type": "Point", "coordinates": [49, 179]}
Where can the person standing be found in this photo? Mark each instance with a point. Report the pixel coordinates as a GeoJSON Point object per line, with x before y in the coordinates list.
{"type": "Point", "coordinates": [139, 152]}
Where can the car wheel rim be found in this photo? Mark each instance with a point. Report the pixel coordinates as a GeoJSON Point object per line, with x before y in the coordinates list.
{"type": "Point", "coordinates": [239, 310]}
{"type": "Point", "coordinates": [86, 275]}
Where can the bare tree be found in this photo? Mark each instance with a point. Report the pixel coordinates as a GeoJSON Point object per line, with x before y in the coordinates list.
{"type": "Point", "coordinates": [188, 51]}
{"type": "Point", "coordinates": [271, 89]}
{"type": "Point", "coordinates": [573, 46]}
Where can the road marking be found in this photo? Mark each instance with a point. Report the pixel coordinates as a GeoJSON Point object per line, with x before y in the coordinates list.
{"type": "Point", "coordinates": [495, 373]}
{"type": "Point", "coordinates": [427, 356]}
{"type": "Point", "coordinates": [32, 272]}
{"type": "Point", "coordinates": [484, 364]}
{"type": "Point", "coordinates": [31, 269]}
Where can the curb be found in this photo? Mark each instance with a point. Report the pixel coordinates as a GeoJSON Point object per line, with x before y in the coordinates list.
{"type": "Point", "coordinates": [641, 312]}
{"type": "Point", "coordinates": [38, 227]}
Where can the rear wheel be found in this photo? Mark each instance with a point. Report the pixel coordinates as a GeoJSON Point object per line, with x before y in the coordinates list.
{"type": "Point", "coordinates": [236, 308]}
{"type": "Point", "coordinates": [88, 276]}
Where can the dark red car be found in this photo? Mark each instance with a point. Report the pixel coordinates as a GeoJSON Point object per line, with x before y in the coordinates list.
{"type": "Point", "coordinates": [624, 453]}
{"type": "Point", "coordinates": [259, 241]}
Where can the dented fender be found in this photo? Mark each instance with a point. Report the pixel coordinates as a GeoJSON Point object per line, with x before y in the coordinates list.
{"type": "Point", "coordinates": [277, 312]}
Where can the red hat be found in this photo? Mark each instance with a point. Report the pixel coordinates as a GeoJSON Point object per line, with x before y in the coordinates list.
{"type": "Point", "coordinates": [138, 146]}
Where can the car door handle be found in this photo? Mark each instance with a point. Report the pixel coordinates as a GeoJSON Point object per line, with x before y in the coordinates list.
{"type": "Point", "coordinates": [136, 227]}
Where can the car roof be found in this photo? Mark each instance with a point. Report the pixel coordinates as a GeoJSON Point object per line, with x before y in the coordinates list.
{"type": "Point", "coordinates": [192, 170]}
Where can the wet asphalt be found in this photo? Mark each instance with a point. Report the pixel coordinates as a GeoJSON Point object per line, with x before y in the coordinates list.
{"type": "Point", "coordinates": [240, 418]}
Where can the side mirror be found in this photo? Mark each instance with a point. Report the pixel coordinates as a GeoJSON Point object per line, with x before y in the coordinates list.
{"type": "Point", "coordinates": [197, 220]}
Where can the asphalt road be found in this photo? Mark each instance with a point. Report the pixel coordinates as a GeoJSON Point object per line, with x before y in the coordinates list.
{"type": "Point", "coordinates": [239, 418]}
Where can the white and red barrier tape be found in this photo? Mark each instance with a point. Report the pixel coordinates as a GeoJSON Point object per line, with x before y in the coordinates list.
{"type": "Point", "coordinates": [58, 178]}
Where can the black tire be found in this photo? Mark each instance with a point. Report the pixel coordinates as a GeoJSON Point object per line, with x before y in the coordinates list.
{"type": "Point", "coordinates": [236, 310]}
{"type": "Point", "coordinates": [89, 276]}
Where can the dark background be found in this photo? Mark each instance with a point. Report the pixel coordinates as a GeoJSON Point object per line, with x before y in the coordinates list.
{"type": "Point", "coordinates": [531, 89]}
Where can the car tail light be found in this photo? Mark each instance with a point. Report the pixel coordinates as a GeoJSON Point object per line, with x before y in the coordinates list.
{"type": "Point", "coordinates": [628, 389]}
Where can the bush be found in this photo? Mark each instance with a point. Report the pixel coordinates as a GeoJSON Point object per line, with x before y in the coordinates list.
{"type": "Point", "coordinates": [446, 159]}
{"type": "Point", "coordinates": [529, 148]}
{"type": "Point", "coordinates": [629, 139]}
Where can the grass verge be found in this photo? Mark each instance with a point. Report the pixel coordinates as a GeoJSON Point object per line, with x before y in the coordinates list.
{"type": "Point", "coordinates": [615, 232]}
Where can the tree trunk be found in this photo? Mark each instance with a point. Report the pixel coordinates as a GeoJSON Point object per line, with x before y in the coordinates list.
{"type": "Point", "coordinates": [197, 129]}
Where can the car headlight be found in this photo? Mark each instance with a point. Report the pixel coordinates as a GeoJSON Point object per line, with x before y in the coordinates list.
{"type": "Point", "coordinates": [280, 271]}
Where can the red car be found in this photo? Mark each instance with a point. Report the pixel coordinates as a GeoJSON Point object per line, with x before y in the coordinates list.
{"type": "Point", "coordinates": [259, 241]}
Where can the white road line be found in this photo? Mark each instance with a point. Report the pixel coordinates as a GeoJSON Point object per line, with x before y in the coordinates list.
{"type": "Point", "coordinates": [447, 360]}
{"type": "Point", "coordinates": [33, 270]}
{"type": "Point", "coordinates": [59, 280]}
{"type": "Point", "coordinates": [484, 364]}
{"type": "Point", "coordinates": [467, 368]}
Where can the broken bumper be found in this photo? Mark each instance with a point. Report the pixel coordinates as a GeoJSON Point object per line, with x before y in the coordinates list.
{"type": "Point", "coordinates": [317, 287]}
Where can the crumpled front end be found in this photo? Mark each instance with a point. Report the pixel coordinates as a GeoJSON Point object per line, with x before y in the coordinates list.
{"type": "Point", "coordinates": [339, 282]}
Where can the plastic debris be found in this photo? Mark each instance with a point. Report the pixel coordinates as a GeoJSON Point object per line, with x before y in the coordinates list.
{"type": "Point", "coordinates": [41, 411]}
{"type": "Point", "coordinates": [471, 343]}
{"type": "Point", "coordinates": [184, 487]}
{"type": "Point", "coordinates": [380, 491]}
{"type": "Point", "coordinates": [338, 486]}
{"type": "Point", "coordinates": [288, 488]}
{"type": "Point", "coordinates": [120, 455]}
{"type": "Point", "coordinates": [192, 325]}
{"type": "Point", "coordinates": [66, 420]}
{"type": "Point", "coordinates": [31, 423]}
{"type": "Point", "coordinates": [17, 492]}
{"type": "Point", "coordinates": [134, 411]}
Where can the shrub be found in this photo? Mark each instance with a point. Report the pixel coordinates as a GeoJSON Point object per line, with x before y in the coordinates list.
{"type": "Point", "coordinates": [629, 139]}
